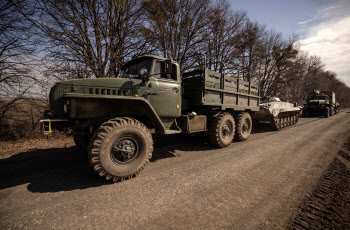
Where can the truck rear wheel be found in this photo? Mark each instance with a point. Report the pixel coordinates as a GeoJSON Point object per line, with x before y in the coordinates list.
{"type": "Point", "coordinates": [243, 126]}
{"type": "Point", "coordinates": [120, 149]}
{"type": "Point", "coordinates": [221, 130]}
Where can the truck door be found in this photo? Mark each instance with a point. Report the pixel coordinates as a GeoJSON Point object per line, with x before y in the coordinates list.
{"type": "Point", "coordinates": [166, 90]}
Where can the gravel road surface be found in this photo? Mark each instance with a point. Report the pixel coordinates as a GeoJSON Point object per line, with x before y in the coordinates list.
{"type": "Point", "coordinates": [266, 182]}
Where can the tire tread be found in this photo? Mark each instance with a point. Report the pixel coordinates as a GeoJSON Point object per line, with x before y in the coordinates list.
{"type": "Point", "coordinates": [100, 134]}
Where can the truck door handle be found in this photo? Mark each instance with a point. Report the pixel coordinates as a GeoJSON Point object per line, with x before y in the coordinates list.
{"type": "Point", "coordinates": [175, 90]}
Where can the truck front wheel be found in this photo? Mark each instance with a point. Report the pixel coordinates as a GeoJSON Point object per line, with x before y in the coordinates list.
{"type": "Point", "coordinates": [221, 130]}
{"type": "Point", "coordinates": [244, 126]}
{"type": "Point", "coordinates": [326, 112]}
{"type": "Point", "coordinates": [120, 149]}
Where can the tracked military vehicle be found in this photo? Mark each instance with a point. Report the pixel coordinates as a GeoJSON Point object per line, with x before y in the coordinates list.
{"type": "Point", "coordinates": [112, 118]}
{"type": "Point", "coordinates": [277, 113]}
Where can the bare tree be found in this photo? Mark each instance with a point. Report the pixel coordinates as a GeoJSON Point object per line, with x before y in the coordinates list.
{"type": "Point", "coordinates": [90, 36]}
{"type": "Point", "coordinates": [222, 34]}
{"type": "Point", "coordinates": [176, 28]}
{"type": "Point", "coordinates": [16, 77]}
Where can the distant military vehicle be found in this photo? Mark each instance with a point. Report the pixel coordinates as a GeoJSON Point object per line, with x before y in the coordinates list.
{"type": "Point", "coordinates": [277, 113]}
{"type": "Point", "coordinates": [112, 118]}
{"type": "Point", "coordinates": [321, 103]}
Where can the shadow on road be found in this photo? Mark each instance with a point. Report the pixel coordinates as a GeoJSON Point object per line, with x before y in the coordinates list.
{"type": "Point", "coordinates": [48, 170]}
{"type": "Point", "coordinates": [66, 169]}
{"type": "Point", "coordinates": [262, 128]}
{"type": "Point", "coordinates": [165, 146]}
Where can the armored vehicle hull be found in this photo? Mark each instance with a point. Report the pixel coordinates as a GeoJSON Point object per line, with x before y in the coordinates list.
{"type": "Point", "coordinates": [277, 113]}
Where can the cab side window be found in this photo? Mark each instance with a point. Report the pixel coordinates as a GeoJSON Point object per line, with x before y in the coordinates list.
{"type": "Point", "coordinates": [174, 72]}
{"type": "Point", "coordinates": [159, 71]}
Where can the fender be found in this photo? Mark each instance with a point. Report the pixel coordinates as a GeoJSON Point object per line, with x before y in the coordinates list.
{"type": "Point", "coordinates": [96, 106]}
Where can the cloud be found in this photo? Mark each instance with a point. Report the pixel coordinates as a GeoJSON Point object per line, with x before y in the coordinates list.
{"type": "Point", "coordinates": [329, 38]}
{"type": "Point", "coordinates": [307, 21]}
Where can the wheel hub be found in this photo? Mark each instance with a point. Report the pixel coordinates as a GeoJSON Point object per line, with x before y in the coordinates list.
{"type": "Point", "coordinates": [124, 150]}
{"type": "Point", "coordinates": [245, 127]}
{"type": "Point", "coordinates": [226, 130]}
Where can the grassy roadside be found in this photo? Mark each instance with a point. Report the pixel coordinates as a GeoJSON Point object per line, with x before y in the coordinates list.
{"type": "Point", "coordinates": [10, 148]}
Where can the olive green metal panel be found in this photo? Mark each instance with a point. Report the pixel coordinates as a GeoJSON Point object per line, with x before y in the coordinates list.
{"type": "Point", "coordinates": [208, 88]}
{"type": "Point", "coordinates": [243, 100]}
{"type": "Point", "coordinates": [166, 97]}
{"type": "Point", "coordinates": [87, 107]}
{"type": "Point", "coordinates": [230, 98]}
{"type": "Point", "coordinates": [212, 97]}
{"type": "Point", "coordinates": [92, 88]}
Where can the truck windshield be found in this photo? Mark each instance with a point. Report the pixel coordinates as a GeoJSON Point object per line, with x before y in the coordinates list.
{"type": "Point", "coordinates": [132, 70]}
{"type": "Point", "coordinates": [318, 98]}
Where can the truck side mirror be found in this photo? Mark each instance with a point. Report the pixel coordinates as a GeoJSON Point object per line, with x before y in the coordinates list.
{"type": "Point", "coordinates": [167, 67]}
{"type": "Point", "coordinates": [143, 73]}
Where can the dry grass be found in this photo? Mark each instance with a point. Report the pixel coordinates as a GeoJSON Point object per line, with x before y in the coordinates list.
{"type": "Point", "coordinates": [21, 120]}
{"type": "Point", "coordinates": [10, 148]}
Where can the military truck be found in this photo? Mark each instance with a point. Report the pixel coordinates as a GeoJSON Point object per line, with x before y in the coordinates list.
{"type": "Point", "coordinates": [321, 103]}
{"type": "Point", "coordinates": [112, 118]}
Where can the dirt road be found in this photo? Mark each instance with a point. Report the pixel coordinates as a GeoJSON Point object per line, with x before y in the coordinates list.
{"type": "Point", "coordinates": [271, 181]}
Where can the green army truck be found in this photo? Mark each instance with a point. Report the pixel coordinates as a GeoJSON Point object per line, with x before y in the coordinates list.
{"type": "Point", "coordinates": [320, 103]}
{"type": "Point", "coordinates": [112, 118]}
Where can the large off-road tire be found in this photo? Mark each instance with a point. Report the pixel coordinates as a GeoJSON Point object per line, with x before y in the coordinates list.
{"type": "Point", "coordinates": [221, 130]}
{"type": "Point", "coordinates": [326, 112]}
{"type": "Point", "coordinates": [120, 149]}
{"type": "Point", "coordinates": [243, 126]}
{"type": "Point", "coordinates": [82, 142]}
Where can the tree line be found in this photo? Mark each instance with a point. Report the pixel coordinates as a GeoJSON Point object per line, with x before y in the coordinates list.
{"type": "Point", "coordinates": [43, 41]}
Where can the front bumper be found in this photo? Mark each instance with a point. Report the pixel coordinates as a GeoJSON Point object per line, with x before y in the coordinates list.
{"type": "Point", "coordinates": [47, 125]}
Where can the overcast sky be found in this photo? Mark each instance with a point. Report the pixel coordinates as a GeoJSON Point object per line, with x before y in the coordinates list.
{"type": "Point", "coordinates": [323, 27]}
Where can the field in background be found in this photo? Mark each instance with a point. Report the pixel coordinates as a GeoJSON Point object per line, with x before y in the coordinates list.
{"type": "Point", "coordinates": [21, 120]}
{"type": "Point", "coordinates": [20, 129]}
{"type": "Point", "coordinates": [10, 148]}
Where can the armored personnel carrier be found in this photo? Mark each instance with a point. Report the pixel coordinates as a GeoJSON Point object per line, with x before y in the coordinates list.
{"type": "Point", "coordinates": [277, 113]}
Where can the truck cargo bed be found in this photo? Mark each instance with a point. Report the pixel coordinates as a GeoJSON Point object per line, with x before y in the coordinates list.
{"type": "Point", "coordinates": [209, 88]}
